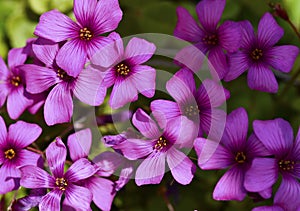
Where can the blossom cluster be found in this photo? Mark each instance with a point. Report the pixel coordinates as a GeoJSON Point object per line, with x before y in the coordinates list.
{"type": "Point", "coordinates": [85, 58]}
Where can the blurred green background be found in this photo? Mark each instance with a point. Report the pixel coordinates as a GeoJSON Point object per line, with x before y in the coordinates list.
{"type": "Point", "coordinates": [18, 19]}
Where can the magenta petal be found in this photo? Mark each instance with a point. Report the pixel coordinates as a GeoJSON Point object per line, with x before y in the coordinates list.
{"type": "Point", "coordinates": [55, 26]}
{"type": "Point", "coordinates": [230, 36]}
{"type": "Point", "coordinates": [209, 13]}
{"type": "Point", "coordinates": [230, 186]}
{"type": "Point", "coordinates": [77, 197]}
{"type": "Point", "coordinates": [74, 49]}
{"type": "Point", "coordinates": [186, 27]}
{"type": "Point", "coordinates": [144, 79]}
{"type": "Point", "coordinates": [262, 174]}
{"type": "Point", "coordinates": [23, 133]}
{"type": "Point", "coordinates": [59, 105]}
{"type": "Point", "coordinates": [107, 162]}
{"type": "Point", "coordinates": [4, 72]}
{"type": "Point", "coordinates": [268, 208]}
{"type": "Point", "coordinates": [124, 91]}
{"type": "Point", "coordinates": [51, 201]}
{"type": "Point", "coordinates": [262, 78]}
{"type": "Point", "coordinates": [35, 177]}
{"type": "Point", "coordinates": [46, 53]}
{"type": "Point", "coordinates": [17, 102]}
{"type": "Point", "coordinates": [27, 157]}
{"type": "Point", "coordinates": [182, 168]}
{"type": "Point", "coordinates": [39, 79]}
{"type": "Point", "coordinates": [276, 135]}
{"type": "Point", "coordinates": [79, 144]}
{"type": "Point", "coordinates": [218, 63]}
{"type": "Point", "coordinates": [138, 51]}
{"type": "Point", "coordinates": [16, 57]}
{"type": "Point", "coordinates": [255, 147]}
{"type": "Point", "coordinates": [297, 145]}
{"type": "Point", "coordinates": [211, 155]}
{"type": "Point", "coordinates": [80, 170]}
{"type": "Point", "coordinates": [9, 178]}
{"type": "Point", "coordinates": [238, 63]}
{"type": "Point", "coordinates": [288, 193]}
{"type": "Point", "coordinates": [96, 44]}
{"type": "Point", "coordinates": [3, 92]}
{"type": "Point", "coordinates": [142, 121]}
{"type": "Point", "coordinates": [102, 190]}
{"type": "Point", "coordinates": [187, 77]}
{"type": "Point", "coordinates": [248, 34]}
{"type": "Point", "coordinates": [151, 170]}
{"type": "Point", "coordinates": [3, 132]}
{"type": "Point", "coordinates": [268, 32]}
{"type": "Point", "coordinates": [164, 110]}
{"type": "Point", "coordinates": [84, 10]}
{"type": "Point", "coordinates": [56, 154]}
{"type": "Point", "coordinates": [283, 57]}
{"type": "Point", "coordinates": [88, 88]}
{"type": "Point", "coordinates": [107, 16]}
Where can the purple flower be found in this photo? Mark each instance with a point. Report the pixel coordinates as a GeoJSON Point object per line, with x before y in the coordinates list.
{"type": "Point", "coordinates": [233, 152]}
{"type": "Point", "coordinates": [258, 54]}
{"type": "Point", "coordinates": [13, 154]}
{"type": "Point", "coordinates": [157, 149]}
{"type": "Point", "coordinates": [102, 189]}
{"type": "Point", "coordinates": [59, 104]}
{"type": "Point", "coordinates": [277, 136]}
{"type": "Point", "coordinates": [208, 37]}
{"type": "Point", "coordinates": [83, 37]}
{"type": "Point", "coordinates": [124, 69]}
{"type": "Point", "coordinates": [31, 200]}
{"type": "Point", "coordinates": [59, 182]}
{"type": "Point", "coordinates": [200, 107]}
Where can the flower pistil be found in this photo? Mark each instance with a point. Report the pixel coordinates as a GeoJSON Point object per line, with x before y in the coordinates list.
{"type": "Point", "coordinates": [61, 183]}
{"type": "Point", "coordinates": [10, 154]}
{"type": "Point", "coordinates": [85, 34]}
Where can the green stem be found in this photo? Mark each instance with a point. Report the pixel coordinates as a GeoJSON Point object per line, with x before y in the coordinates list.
{"type": "Point", "coordinates": [294, 28]}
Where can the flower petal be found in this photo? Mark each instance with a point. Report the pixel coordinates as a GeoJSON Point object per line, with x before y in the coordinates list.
{"type": "Point", "coordinates": [218, 63]}
{"type": "Point", "coordinates": [164, 110]}
{"type": "Point", "coordinates": [46, 52]}
{"type": "Point", "coordinates": [96, 44]}
{"type": "Point", "coordinates": [268, 32]}
{"type": "Point", "coordinates": [209, 13]}
{"type": "Point", "coordinates": [56, 154]}
{"type": "Point", "coordinates": [79, 144]}
{"type": "Point", "coordinates": [238, 63]}
{"type": "Point", "coordinates": [262, 78]}
{"type": "Point", "coordinates": [4, 71]}
{"type": "Point", "coordinates": [3, 132]}
{"type": "Point", "coordinates": [102, 190]}
{"type": "Point", "coordinates": [268, 208]}
{"type": "Point", "coordinates": [23, 133]}
{"type": "Point", "coordinates": [186, 27]}
{"type": "Point", "coordinates": [26, 157]}
{"type": "Point", "coordinates": [84, 10]}
{"type": "Point", "coordinates": [16, 57]}
{"type": "Point", "coordinates": [51, 201]}
{"type": "Point", "coordinates": [29, 201]}
{"type": "Point", "coordinates": [138, 51]}
{"type": "Point", "coordinates": [230, 186]}
{"type": "Point", "coordinates": [248, 35]}
{"type": "Point", "coordinates": [55, 26]}
{"type": "Point", "coordinates": [283, 57]}
{"type": "Point", "coordinates": [276, 135]}
{"type": "Point", "coordinates": [262, 174]}
{"type": "Point", "coordinates": [143, 122]}
{"type": "Point", "coordinates": [230, 36]}
{"type": "Point", "coordinates": [39, 79]}
{"type": "Point", "coordinates": [35, 177]}
{"type": "Point", "coordinates": [72, 57]}
{"type": "Point", "coordinates": [80, 170]}
{"type": "Point", "coordinates": [255, 147]}
{"type": "Point", "coordinates": [211, 155]}
{"type": "Point", "coordinates": [182, 168]}
{"type": "Point", "coordinates": [77, 197]}
{"type": "Point", "coordinates": [88, 88]}
{"type": "Point", "coordinates": [59, 105]}
{"type": "Point", "coordinates": [9, 178]}
{"type": "Point", "coordinates": [3, 91]}
{"type": "Point", "coordinates": [151, 170]}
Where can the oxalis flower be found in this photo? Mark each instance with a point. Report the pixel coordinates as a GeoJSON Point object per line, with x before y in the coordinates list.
{"type": "Point", "coordinates": [208, 37]}
{"type": "Point", "coordinates": [258, 54]}
{"type": "Point", "coordinates": [160, 146]}
{"type": "Point", "coordinates": [124, 69]}
{"type": "Point", "coordinates": [13, 154]}
{"type": "Point", "coordinates": [60, 183]}
{"type": "Point", "coordinates": [234, 152]}
{"type": "Point", "coordinates": [59, 104]}
{"type": "Point", "coordinates": [277, 136]}
{"type": "Point", "coordinates": [83, 37]}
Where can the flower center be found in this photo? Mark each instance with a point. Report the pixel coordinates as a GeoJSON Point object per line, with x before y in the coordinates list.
{"type": "Point", "coordinates": [15, 80]}
{"type": "Point", "coordinates": [122, 69]}
{"type": "Point", "coordinates": [10, 154]}
{"type": "Point", "coordinates": [286, 165]}
{"type": "Point", "coordinates": [240, 157]}
{"type": "Point", "coordinates": [256, 54]}
{"type": "Point", "coordinates": [61, 183]}
{"type": "Point", "coordinates": [63, 75]}
{"type": "Point", "coordinates": [210, 39]}
{"type": "Point", "coordinates": [85, 34]}
{"type": "Point", "coordinates": [191, 111]}
{"type": "Point", "coordinates": [160, 144]}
